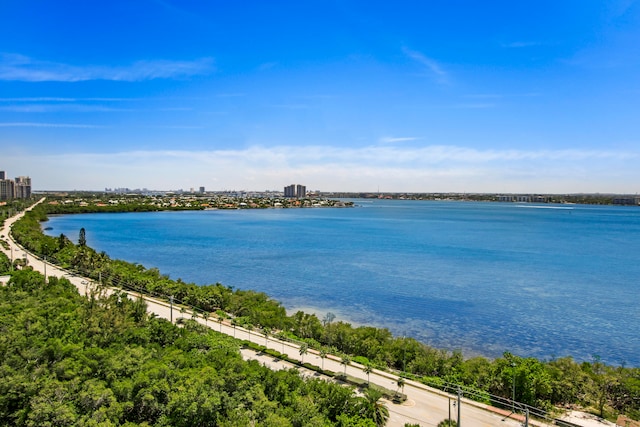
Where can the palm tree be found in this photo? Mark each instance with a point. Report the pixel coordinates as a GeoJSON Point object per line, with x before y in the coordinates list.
{"type": "Point", "coordinates": [249, 328]}
{"type": "Point", "coordinates": [367, 370]}
{"type": "Point", "coordinates": [401, 383]}
{"type": "Point", "coordinates": [267, 332]}
{"type": "Point", "coordinates": [323, 355]}
{"type": "Point", "coordinates": [220, 319]}
{"type": "Point", "coordinates": [372, 408]}
{"type": "Point", "coordinates": [346, 360]}
{"type": "Point", "coordinates": [304, 349]}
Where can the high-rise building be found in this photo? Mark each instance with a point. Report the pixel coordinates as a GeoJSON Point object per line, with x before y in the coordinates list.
{"type": "Point", "coordinates": [23, 187]}
{"type": "Point", "coordinates": [7, 189]}
{"type": "Point", "coordinates": [10, 189]}
{"type": "Point", "coordinates": [295, 190]}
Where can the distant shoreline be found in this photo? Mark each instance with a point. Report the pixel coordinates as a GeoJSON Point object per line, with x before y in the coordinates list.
{"type": "Point", "coordinates": [234, 200]}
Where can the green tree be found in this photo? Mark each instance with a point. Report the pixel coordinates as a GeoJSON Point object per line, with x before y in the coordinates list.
{"type": "Point", "coordinates": [304, 349]}
{"type": "Point", "coordinates": [266, 331]}
{"type": "Point", "coordinates": [82, 238]}
{"type": "Point", "coordinates": [371, 407]}
{"type": "Point", "coordinates": [328, 318]}
{"type": "Point", "coordinates": [604, 382]}
{"type": "Point", "coordinates": [367, 370]}
{"type": "Point", "coordinates": [323, 355]}
{"type": "Point", "coordinates": [63, 241]}
{"type": "Point", "coordinates": [346, 361]}
{"type": "Point", "coordinates": [249, 328]}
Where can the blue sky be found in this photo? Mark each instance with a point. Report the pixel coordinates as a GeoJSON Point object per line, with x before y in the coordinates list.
{"type": "Point", "coordinates": [417, 96]}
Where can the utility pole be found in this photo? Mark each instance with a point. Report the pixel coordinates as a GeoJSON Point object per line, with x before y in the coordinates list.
{"type": "Point", "coordinates": [459, 405]}
{"type": "Point", "coordinates": [171, 301]}
{"type": "Point", "coordinates": [45, 270]}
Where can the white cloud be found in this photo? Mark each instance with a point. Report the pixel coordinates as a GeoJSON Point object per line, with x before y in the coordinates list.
{"type": "Point", "coordinates": [67, 107]}
{"type": "Point", "coordinates": [475, 105]}
{"type": "Point", "coordinates": [393, 140]}
{"type": "Point", "coordinates": [392, 168]}
{"type": "Point", "coordinates": [60, 99]}
{"type": "Point", "coordinates": [431, 65]}
{"type": "Point", "coordinates": [520, 44]}
{"type": "Point", "coordinates": [22, 68]}
{"type": "Point", "coordinates": [49, 125]}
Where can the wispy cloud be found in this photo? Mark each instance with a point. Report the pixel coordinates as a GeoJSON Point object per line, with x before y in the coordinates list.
{"type": "Point", "coordinates": [501, 95]}
{"type": "Point", "coordinates": [22, 68]}
{"type": "Point", "coordinates": [394, 140]}
{"type": "Point", "coordinates": [434, 69]}
{"type": "Point", "coordinates": [475, 105]}
{"type": "Point", "coordinates": [182, 127]}
{"type": "Point", "coordinates": [520, 44]}
{"type": "Point", "coordinates": [48, 125]}
{"type": "Point", "coordinates": [291, 106]}
{"type": "Point", "coordinates": [230, 95]}
{"type": "Point", "coordinates": [267, 66]}
{"type": "Point", "coordinates": [59, 99]}
{"type": "Point", "coordinates": [49, 108]}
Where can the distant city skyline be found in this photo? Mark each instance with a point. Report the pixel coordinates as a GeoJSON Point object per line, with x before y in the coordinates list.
{"type": "Point", "coordinates": [499, 97]}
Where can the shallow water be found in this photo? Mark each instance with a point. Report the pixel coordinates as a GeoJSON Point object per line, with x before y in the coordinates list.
{"type": "Point", "coordinates": [486, 278]}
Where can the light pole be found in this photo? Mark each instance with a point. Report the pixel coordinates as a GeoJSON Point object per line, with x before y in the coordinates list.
{"type": "Point", "coordinates": [459, 405]}
{"type": "Point", "coordinates": [454, 407]}
{"type": "Point", "coordinates": [513, 389]}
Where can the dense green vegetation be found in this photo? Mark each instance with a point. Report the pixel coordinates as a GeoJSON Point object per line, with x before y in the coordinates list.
{"type": "Point", "coordinates": [605, 390]}
{"type": "Point", "coordinates": [9, 208]}
{"type": "Point", "coordinates": [102, 361]}
{"type": "Point", "coordinates": [100, 202]}
{"type": "Point", "coordinates": [587, 199]}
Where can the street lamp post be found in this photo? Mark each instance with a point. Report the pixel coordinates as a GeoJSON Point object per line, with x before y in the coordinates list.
{"type": "Point", "coordinates": [513, 388]}
{"type": "Point", "coordinates": [455, 404]}
{"type": "Point", "coordinates": [459, 405]}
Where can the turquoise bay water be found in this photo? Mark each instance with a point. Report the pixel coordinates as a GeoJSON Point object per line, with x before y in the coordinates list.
{"type": "Point", "coordinates": [486, 278]}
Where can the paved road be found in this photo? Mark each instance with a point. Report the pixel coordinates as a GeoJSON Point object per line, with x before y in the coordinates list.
{"type": "Point", "coordinates": [424, 405]}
